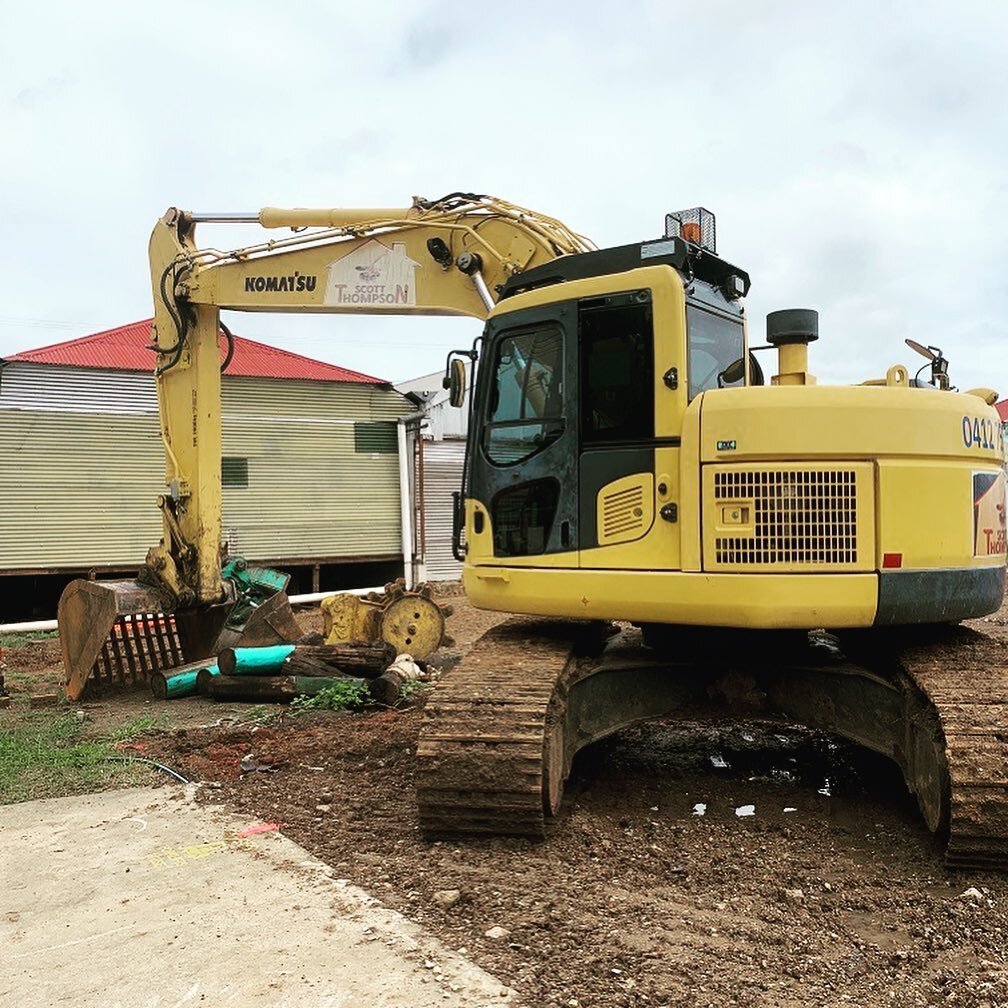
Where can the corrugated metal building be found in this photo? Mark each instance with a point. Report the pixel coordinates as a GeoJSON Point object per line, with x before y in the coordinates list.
{"type": "Point", "coordinates": [439, 470]}
{"type": "Point", "coordinates": [82, 460]}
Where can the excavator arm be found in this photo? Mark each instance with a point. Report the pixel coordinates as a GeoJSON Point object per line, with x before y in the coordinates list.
{"type": "Point", "coordinates": [445, 257]}
{"type": "Point", "coordinates": [450, 256]}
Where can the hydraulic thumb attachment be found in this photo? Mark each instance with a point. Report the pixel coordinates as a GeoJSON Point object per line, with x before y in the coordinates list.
{"type": "Point", "coordinates": [116, 634]}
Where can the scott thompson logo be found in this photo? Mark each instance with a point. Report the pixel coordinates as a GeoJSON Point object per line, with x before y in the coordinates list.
{"type": "Point", "coordinates": [373, 274]}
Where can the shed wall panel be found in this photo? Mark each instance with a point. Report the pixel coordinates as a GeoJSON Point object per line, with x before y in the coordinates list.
{"type": "Point", "coordinates": [81, 463]}
{"type": "Point", "coordinates": [78, 489]}
{"type": "Point", "coordinates": [76, 390]}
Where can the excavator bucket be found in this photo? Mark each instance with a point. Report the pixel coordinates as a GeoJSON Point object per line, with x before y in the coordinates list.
{"type": "Point", "coordinates": [114, 634]}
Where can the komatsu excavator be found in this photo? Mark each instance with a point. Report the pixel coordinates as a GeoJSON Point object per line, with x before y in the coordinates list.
{"type": "Point", "coordinates": [626, 462]}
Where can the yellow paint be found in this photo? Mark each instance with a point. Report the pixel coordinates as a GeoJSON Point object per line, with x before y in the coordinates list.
{"type": "Point", "coordinates": [845, 422]}
{"type": "Point", "coordinates": [793, 365]}
{"type": "Point", "coordinates": [333, 270]}
{"type": "Point", "coordinates": [926, 514]}
{"type": "Point", "coordinates": [689, 489]}
{"type": "Point", "coordinates": [742, 600]}
{"type": "Point", "coordinates": [188, 558]}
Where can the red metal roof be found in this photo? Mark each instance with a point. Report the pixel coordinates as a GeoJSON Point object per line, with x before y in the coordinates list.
{"type": "Point", "coordinates": [125, 349]}
{"type": "Point", "coordinates": [1002, 408]}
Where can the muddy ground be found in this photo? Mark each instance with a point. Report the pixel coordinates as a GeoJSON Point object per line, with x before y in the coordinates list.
{"type": "Point", "coordinates": [808, 879]}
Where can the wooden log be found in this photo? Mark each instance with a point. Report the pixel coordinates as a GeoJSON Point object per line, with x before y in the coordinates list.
{"type": "Point", "coordinates": [253, 660]}
{"type": "Point", "coordinates": [275, 688]}
{"type": "Point", "coordinates": [173, 682]}
{"type": "Point", "coordinates": [367, 660]}
{"type": "Point", "coordinates": [204, 677]}
{"type": "Point", "coordinates": [387, 688]}
{"type": "Point", "coordinates": [179, 683]}
{"type": "Point", "coordinates": [352, 659]}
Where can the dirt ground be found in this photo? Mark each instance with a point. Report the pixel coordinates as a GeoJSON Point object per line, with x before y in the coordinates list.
{"type": "Point", "coordinates": [693, 864]}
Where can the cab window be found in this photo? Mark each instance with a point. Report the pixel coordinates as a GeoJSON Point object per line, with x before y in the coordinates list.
{"type": "Point", "coordinates": [715, 342]}
{"type": "Point", "coordinates": [617, 370]}
{"type": "Point", "coordinates": [525, 404]}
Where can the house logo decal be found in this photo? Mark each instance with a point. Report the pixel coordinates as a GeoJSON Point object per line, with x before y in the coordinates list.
{"type": "Point", "coordinates": [373, 274]}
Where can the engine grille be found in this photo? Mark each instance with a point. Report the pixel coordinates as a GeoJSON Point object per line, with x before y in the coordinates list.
{"type": "Point", "coordinates": [623, 512]}
{"type": "Point", "coordinates": [800, 517]}
{"type": "Point", "coordinates": [624, 509]}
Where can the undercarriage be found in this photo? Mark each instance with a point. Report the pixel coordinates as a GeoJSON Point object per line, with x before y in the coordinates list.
{"type": "Point", "coordinates": [500, 734]}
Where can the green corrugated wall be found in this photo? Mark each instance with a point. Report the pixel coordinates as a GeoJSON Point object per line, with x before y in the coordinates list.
{"type": "Point", "coordinates": [77, 489]}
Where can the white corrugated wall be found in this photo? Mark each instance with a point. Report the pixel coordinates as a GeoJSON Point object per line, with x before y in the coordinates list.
{"type": "Point", "coordinates": [442, 476]}
{"type": "Point", "coordinates": [81, 462]}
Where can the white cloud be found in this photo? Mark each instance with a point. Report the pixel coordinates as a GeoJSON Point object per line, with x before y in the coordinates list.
{"type": "Point", "coordinates": [853, 152]}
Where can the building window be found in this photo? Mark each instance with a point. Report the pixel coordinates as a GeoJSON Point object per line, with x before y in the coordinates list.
{"type": "Point", "coordinates": [375, 436]}
{"type": "Point", "coordinates": [234, 471]}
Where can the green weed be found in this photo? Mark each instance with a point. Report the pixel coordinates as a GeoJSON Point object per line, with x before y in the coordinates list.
{"type": "Point", "coordinates": [144, 723]}
{"type": "Point", "coordinates": [413, 689]}
{"type": "Point", "coordinates": [348, 694]}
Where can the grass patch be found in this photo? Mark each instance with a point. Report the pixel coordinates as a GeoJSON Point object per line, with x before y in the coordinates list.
{"type": "Point", "coordinates": [46, 757]}
{"type": "Point", "coordinates": [144, 723]}
{"type": "Point", "coordinates": [411, 690]}
{"type": "Point", "coordinates": [13, 640]}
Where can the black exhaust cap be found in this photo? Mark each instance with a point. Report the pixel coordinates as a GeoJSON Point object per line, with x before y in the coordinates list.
{"type": "Point", "coordinates": [792, 325]}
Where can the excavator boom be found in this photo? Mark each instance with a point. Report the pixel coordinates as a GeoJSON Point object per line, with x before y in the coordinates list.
{"type": "Point", "coordinates": [450, 256]}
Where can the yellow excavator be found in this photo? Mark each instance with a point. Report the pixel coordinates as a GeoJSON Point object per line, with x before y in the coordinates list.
{"type": "Point", "coordinates": [627, 461]}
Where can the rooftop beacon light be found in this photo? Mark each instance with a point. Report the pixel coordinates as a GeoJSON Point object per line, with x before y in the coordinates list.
{"type": "Point", "coordinates": [696, 226]}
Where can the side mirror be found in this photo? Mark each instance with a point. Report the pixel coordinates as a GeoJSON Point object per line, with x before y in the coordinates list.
{"type": "Point", "coordinates": [735, 372]}
{"type": "Point", "coordinates": [455, 381]}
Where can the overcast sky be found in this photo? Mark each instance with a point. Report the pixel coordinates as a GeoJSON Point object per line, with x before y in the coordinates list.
{"type": "Point", "coordinates": [854, 153]}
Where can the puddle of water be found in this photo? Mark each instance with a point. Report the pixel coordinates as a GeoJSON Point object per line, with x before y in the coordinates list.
{"type": "Point", "coordinates": [745, 810]}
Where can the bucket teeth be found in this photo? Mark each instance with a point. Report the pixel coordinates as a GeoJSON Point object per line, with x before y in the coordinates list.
{"type": "Point", "coordinates": [137, 645]}
{"type": "Point", "coordinates": [115, 634]}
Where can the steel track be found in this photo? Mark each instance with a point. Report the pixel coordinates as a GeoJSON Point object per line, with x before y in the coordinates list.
{"type": "Point", "coordinates": [964, 676]}
{"type": "Point", "coordinates": [481, 764]}
{"type": "Point", "coordinates": [499, 735]}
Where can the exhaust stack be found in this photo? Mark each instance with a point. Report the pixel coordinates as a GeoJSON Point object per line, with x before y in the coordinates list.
{"type": "Point", "coordinates": [791, 330]}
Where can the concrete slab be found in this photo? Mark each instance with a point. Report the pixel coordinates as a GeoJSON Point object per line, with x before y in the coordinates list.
{"type": "Point", "coordinates": [144, 899]}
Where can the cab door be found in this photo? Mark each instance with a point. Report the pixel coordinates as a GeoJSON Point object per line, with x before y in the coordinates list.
{"type": "Point", "coordinates": [616, 343]}
{"type": "Point", "coordinates": [523, 468]}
